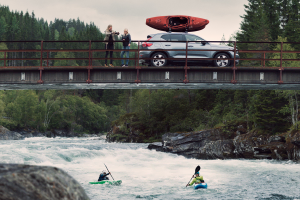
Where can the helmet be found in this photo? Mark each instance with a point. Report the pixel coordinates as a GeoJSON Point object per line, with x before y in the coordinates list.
{"type": "Point", "coordinates": [104, 172]}
{"type": "Point", "coordinates": [197, 173]}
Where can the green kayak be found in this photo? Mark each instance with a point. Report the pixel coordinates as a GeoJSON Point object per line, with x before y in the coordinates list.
{"type": "Point", "coordinates": [108, 182]}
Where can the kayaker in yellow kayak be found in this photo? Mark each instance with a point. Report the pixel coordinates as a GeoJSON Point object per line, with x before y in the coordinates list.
{"type": "Point", "coordinates": [103, 176]}
{"type": "Point", "coordinates": [197, 179]}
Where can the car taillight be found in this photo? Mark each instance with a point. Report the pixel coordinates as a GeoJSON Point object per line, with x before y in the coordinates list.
{"type": "Point", "coordinates": [146, 44]}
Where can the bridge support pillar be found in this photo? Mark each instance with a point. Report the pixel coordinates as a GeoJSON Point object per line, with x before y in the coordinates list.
{"type": "Point", "coordinates": [89, 75]}
{"type": "Point", "coordinates": [41, 74]}
{"type": "Point", "coordinates": [280, 75]}
{"type": "Point", "coordinates": [186, 75]}
{"type": "Point", "coordinates": [233, 76]}
{"type": "Point", "coordinates": [138, 75]}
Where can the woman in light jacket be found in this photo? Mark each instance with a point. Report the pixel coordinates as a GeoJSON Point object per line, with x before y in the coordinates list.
{"type": "Point", "coordinates": [109, 44]}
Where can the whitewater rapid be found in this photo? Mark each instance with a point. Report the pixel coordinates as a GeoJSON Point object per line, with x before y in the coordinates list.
{"type": "Point", "coordinates": [155, 175]}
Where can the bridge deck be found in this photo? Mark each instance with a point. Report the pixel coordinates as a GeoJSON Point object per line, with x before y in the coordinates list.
{"type": "Point", "coordinates": [150, 77]}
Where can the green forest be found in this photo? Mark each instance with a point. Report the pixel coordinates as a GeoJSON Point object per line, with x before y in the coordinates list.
{"type": "Point", "coordinates": [19, 26]}
{"type": "Point", "coordinates": [151, 112]}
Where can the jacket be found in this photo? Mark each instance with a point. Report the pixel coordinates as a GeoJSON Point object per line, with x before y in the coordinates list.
{"type": "Point", "coordinates": [108, 34]}
{"type": "Point", "coordinates": [127, 40]}
{"type": "Point", "coordinates": [197, 180]}
{"type": "Point", "coordinates": [103, 177]}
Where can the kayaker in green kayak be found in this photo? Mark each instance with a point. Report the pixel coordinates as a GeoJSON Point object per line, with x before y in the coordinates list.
{"type": "Point", "coordinates": [103, 176]}
{"type": "Point", "coordinates": [197, 179]}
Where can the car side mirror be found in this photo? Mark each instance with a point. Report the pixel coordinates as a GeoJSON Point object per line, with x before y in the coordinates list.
{"type": "Point", "coordinates": [203, 43]}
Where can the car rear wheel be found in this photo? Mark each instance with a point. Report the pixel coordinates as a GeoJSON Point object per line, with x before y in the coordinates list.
{"type": "Point", "coordinates": [222, 63]}
{"type": "Point", "coordinates": [159, 59]}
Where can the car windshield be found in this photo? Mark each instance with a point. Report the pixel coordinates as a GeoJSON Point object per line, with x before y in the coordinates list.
{"type": "Point", "coordinates": [194, 38]}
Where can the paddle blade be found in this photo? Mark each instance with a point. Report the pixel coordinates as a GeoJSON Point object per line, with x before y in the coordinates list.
{"type": "Point", "coordinates": [197, 169]}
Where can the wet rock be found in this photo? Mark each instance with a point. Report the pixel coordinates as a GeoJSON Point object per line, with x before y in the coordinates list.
{"type": "Point", "coordinates": [262, 153]}
{"type": "Point", "coordinates": [50, 134]}
{"type": "Point", "coordinates": [274, 150]}
{"type": "Point", "coordinates": [244, 144]}
{"type": "Point", "coordinates": [60, 133]}
{"type": "Point", "coordinates": [241, 129]}
{"type": "Point", "coordinates": [276, 138]}
{"type": "Point", "coordinates": [201, 137]}
{"type": "Point", "coordinates": [6, 134]}
{"type": "Point", "coordinates": [214, 144]}
{"type": "Point", "coordinates": [156, 145]}
{"type": "Point", "coordinates": [208, 144]}
{"type": "Point", "coordinates": [220, 149]}
{"type": "Point", "coordinates": [296, 143]}
{"type": "Point", "coordinates": [30, 133]}
{"type": "Point", "coordinates": [25, 182]}
{"type": "Point", "coordinates": [295, 138]}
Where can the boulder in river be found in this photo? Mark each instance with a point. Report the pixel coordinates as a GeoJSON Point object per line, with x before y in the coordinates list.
{"type": "Point", "coordinates": [26, 182]}
{"type": "Point", "coordinates": [6, 134]}
{"type": "Point", "coordinates": [216, 144]}
{"type": "Point", "coordinates": [207, 144]}
{"type": "Point", "coordinates": [155, 145]}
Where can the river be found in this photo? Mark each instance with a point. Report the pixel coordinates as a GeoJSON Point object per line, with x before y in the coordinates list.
{"type": "Point", "coordinates": [155, 175]}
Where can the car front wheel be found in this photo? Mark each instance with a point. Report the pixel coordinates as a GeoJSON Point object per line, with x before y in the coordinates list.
{"type": "Point", "coordinates": [222, 63]}
{"type": "Point", "coordinates": [158, 59]}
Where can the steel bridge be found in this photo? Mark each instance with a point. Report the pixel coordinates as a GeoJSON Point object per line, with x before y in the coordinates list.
{"type": "Point", "coordinates": [44, 75]}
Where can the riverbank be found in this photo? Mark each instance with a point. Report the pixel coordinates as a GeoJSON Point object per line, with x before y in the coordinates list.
{"type": "Point", "coordinates": [6, 134]}
{"type": "Point", "coordinates": [216, 144]}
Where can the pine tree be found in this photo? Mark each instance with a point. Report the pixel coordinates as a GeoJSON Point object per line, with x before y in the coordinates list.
{"type": "Point", "coordinates": [267, 114]}
{"type": "Point", "coordinates": [223, 40]}
{"type": "Point", "coordinates": [249, 21]}
{"type": "Point", "coordinates": [14, 29]}
{"type": "Point", "coordinates": [270, 9]}
{"type": "Point", "coordinates": [292, 27]}
{"type": "Point", "coordinates": [2, 28]}
{"type": "Point", "coordinates": [255, 27]}
{"type": "Point", "coordinates": [286, 47]}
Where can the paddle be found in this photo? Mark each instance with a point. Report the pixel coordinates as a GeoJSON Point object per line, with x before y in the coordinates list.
{"type": "Point", "coordinates": [109, 172]}
{"type": "Point", "coordinates": [196, 170]}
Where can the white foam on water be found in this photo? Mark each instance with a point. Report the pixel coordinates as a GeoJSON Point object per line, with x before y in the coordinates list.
{"type": "Point", "coordinates": [154, 175]}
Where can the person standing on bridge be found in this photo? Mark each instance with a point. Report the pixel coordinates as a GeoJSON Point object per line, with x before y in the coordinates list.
{"type": "Point", "coordinates": [126, 38]}
{"type": "Point", "coordinates": [109, 43]}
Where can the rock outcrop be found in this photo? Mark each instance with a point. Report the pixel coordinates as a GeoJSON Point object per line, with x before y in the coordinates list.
{"type": "Point", "coordinates": [25, 182]}
{"type": "Point", "coordinates": [206, 144]}
{"type": "Point", "coordinates": [116, 134]}
{"type": "Point", "coordinates": [6, 134]}
{"type": "Point", "coordinates": [215, 144]}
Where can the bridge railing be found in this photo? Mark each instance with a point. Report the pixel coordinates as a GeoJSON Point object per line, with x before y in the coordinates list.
{"type": "Point", "coordinates": [44, 55]}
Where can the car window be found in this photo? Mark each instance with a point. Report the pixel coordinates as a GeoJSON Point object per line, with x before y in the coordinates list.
{"type": "Point", "coordinates": [193, 38]}
{"type": "Point", "coordinates": [177, 38]}
{"type": "Point", "coordinates": [165, 38]}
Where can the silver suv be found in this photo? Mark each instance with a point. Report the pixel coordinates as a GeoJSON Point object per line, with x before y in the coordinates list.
{"type": "Point", "coordinates": [157, 58]}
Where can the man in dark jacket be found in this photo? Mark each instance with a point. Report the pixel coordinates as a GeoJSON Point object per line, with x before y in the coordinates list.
{"type": "Point", "coordinates": [103, 176]}
{"type": "Point", "coordinates": [126, 38]}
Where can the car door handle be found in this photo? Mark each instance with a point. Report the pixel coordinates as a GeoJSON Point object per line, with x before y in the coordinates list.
{"type": "Point", "coordinates": [190, 46]}
{"type": "Point", "coordinates": [167, 45]}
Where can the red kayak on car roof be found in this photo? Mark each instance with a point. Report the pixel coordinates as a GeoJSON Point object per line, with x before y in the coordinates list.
{"type": "Point", "coordinates": [177, 23]}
